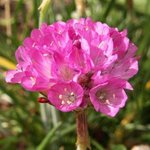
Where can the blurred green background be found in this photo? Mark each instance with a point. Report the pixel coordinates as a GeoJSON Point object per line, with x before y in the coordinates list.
{"type": "Point", "coordinates": [23, 123]}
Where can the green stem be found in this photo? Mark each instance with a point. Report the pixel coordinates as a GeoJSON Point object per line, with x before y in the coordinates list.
{"type": "Point", "coordinates": [43, 9]}
{"type": "Point", "coordinates": [83, 140]}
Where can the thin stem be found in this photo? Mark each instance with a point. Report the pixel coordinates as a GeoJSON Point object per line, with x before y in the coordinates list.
{"type": "Point", "coordinates": [44, 115]}
{"type": "Point", "coordinates": [54, 114]}
{"type": "Point", "coordinates": [8, 17]}
{"type": "Point", "coordinates": [80, 7]}
{"type": "Point", "coordinates": [43, 9]}
{"type": "Point", "coordinates": [83, 140]}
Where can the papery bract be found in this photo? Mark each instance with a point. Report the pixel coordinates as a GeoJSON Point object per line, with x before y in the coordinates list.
{"type": "Point", "coordinates": [76, 64]}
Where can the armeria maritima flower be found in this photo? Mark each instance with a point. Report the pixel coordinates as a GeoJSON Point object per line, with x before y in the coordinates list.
{"type": "Point", "coordinates": [76, 64]}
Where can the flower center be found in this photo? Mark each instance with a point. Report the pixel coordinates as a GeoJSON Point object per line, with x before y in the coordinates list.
{"type": "Point", "coordinates": [102, 96]}
{"type": "Point", "coordinates": [67, 98]}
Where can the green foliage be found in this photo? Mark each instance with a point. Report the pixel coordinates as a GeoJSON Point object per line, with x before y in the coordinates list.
{"type": "Point", "coordinates": [21, 125]}
{"type": "Point", "coordinates": [118, 147]}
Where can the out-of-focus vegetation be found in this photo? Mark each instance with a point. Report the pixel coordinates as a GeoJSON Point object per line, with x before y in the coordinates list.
{"type": "Point", "coordinates": [21, 120]}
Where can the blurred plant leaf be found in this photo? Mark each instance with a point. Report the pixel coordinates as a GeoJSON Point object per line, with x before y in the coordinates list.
{"type": "Point", "coordinates": [48, 137]}
{"type": "Point", "coordinates": [96, 145]}
{"type": "Point", "coordinates": [7, 64]}
{"type": "Point", "coordinates": [118, 147]}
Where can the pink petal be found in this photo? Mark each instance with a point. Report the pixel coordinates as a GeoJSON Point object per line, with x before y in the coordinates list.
{"type": "Point", "coordinates": [13, 76]}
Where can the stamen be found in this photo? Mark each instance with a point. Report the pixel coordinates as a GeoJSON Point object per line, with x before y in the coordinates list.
{"type": "Point", "coordinates": [60, 96]}
{"type": "Point", "coordinates": [72, 93]}
{"type": "Point", "coordinates": [102, 96]}
{"type": "Point", "coordinates": [114, 96]}
{"type": "Point", "coordinates": [45, 55]}
{"type": "Point", "coordinates": [107, 102]}
{"type": "Point", "coordinates": [69, 98]}
{"type": "Point", "coordinates": [62, 102]}
{"type": "Point", "coordinates": [65, 89]}
{"type": "Point", "coordinates": [69, 102]}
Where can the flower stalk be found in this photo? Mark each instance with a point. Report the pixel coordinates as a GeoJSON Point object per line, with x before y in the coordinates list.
{"type": "Point", "coordinates": [83, 140]}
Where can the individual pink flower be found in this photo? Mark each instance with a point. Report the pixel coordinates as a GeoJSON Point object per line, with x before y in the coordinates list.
{"type": "Point", "coordinates": [90, 60]}
{"type": "Point", "coordinates": [66, 96]}
{"type": "Point", "coordinates": [108, 96]}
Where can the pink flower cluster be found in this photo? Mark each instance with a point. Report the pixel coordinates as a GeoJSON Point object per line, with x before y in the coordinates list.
{"type": "Point", "coordinates": [78, 63]}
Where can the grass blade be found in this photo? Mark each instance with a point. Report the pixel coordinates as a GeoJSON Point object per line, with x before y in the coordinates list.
{"type": "Point", "coordinates": [49, 136]}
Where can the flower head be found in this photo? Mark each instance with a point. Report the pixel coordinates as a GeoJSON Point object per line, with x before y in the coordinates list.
{"type": "Point", "coordinates": [76, 64]}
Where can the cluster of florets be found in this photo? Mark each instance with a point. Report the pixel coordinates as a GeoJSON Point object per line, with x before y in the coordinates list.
{"type": "Point", "coordinates": [76, 64]}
